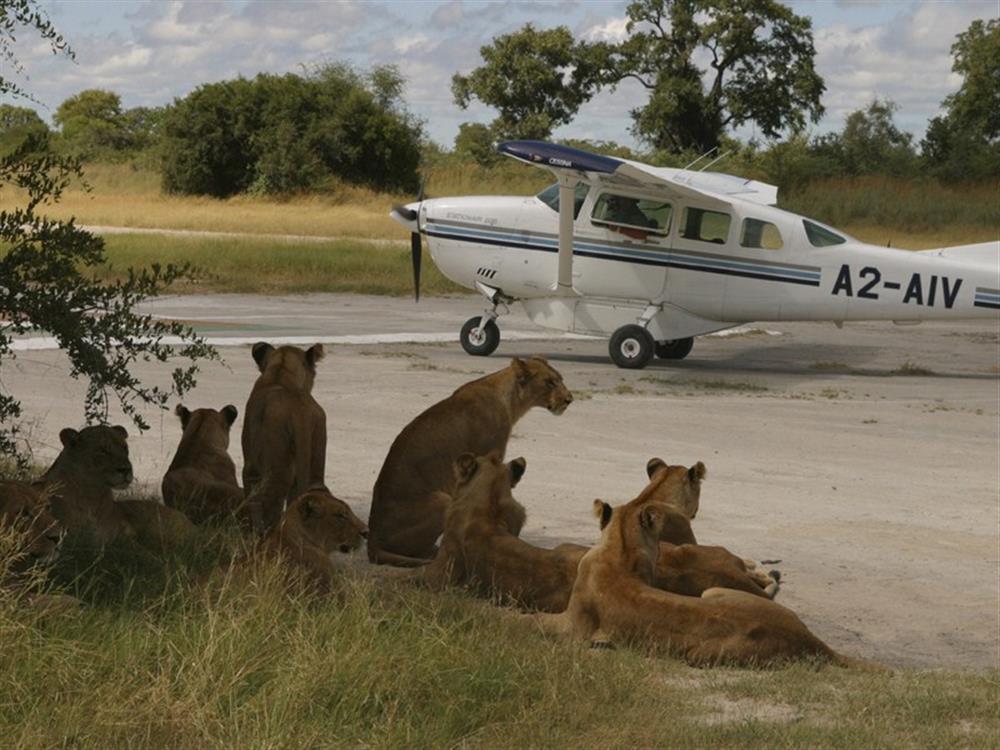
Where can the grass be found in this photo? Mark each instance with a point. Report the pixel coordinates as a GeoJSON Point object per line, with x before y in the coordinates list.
{"type": "Point", "coordinates": [258, 265]}
{"type": "Point", "coordinates": [158, 660]}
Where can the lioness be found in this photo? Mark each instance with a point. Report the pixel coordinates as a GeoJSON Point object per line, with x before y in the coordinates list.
{"type": "Point", "coordinates": [613, 600]}
{"type": "Point", "coordinates": [284, 431]}
{"type": "Point", "coordinates": [480, 547]}
{"type": "Point", "coordinates": [25, 511]}
{"type": "Point", "coordinates": [315, 527]}
{"type": "Point", "coordinates": [93, 462]}
{"type": "Point", "coordinates": [413, 488]}
{"type": "Point", "coordinates": [681, 509]}
{"type": "Point", "coordinates": [201, 479]}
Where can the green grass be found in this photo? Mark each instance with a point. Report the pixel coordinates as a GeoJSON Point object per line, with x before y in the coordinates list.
{"type": "Point", "coordinates": [270, 266]}
{"type": "Point", "coordinates": [158, 660]}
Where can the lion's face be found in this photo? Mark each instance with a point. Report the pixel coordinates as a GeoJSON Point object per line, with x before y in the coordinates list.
{"type": "Point", "coordinates": [103, 450]}
{"type": "Point", "coordinates": [27, 512]}
{"type": "Point", "coordinates": [677, 486]}
{"type": "Point", "coordinates": [483, 485]}
{"type": "Point", "coordinates": [542, 384]}
{"type": "Point", "coordinates": [328, 522]}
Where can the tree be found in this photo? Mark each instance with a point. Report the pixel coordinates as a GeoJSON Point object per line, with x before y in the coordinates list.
{"type": "Point", "coordinates": [537, 79]}
{"type": "Point", "coordinates": [761, 70]}
{"type": "Point", "coordinates": [964, 143]}
{"type": "Point", "coordinates": [871, 143]}
{"type": "Point", "coordinates": [92, 123]}
{"type": "Point", "coordinates": [19, 123]}
{"type": "Point", "coordinates": [46, 284]}
{"type": "Point", "coordinates": [475, 141]}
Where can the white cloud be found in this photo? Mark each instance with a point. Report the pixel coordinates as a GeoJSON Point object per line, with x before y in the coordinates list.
{"type": "Point", "coordinates": [612, 30]}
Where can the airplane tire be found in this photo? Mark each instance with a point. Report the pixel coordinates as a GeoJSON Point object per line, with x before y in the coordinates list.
{"type": "Point", "coordinates": [631, 347]}
{"type": "Point", "coordinates": [483, 343]}
{"type": "Point", "coordinates": [676, 349]}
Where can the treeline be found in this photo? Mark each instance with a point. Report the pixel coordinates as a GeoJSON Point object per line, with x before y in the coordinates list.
{"type": "Point", "coordinates": [272, 134]}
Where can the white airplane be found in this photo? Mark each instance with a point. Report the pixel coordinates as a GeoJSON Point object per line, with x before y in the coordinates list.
{"type": "Point", "coordinates": [653, 257]}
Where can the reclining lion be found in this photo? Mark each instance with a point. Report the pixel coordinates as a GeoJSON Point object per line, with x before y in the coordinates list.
{"type": "Point", "coordinates": [413, 488]}
{"type": "Point", "coordinates": [314, 528]}
{"type": "Point", "coordinates": [284, 431]}
{"type": "Point", "coordinates": [93, 462]}
{"type": "Point", "coordinates": [201, 480]}
{"type": "Point", "coordinates": [481, 548]}
{"type": "Point", "coordinates": [613, 600]}
{"type": "Point", "coordinates": [25, 512]}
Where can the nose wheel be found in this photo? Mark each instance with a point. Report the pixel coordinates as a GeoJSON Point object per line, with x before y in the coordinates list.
{"type": "Point", "coordinates": [480, 336]}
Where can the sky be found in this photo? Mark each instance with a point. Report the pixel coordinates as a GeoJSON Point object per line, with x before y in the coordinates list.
{"type": "Point", "coordinates": [151, 51]}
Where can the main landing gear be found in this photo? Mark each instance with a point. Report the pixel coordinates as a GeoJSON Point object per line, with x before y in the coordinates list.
{"type": "Point", "coordinates": [480, 336]}
{"type": "Point", "coordinates": [632, 347]}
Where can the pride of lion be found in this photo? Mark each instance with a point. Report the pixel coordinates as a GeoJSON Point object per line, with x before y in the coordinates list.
{"type": "Point", "coordinates": [442, 505]}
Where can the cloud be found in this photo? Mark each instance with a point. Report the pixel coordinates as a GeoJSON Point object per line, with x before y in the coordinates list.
{"type": "Point", "coordinates": [611, 30]}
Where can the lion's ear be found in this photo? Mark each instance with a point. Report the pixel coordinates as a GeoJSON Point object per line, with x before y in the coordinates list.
{"type": "Point", "coordinates": [521, 370]}
{"type": "Point", "coordinates": [696, 473]}
{"type": "Point", "coordinates": [649, 517]}
{"type": "Point", "coordinates": [121, 431]}
{"type": "Point", "coordinates": [68, 437]}
{"type": "Point", "coordinates": [184, 413]}
{"type": "Point", "coordinates": [465, 468]}
{"type": "Point", "coordinates": [230, 412]}
{"type": "Point", "coordinates": [603, 511]}
{"type": "Point", "coordinates": [517, 467]}
{"type": "Point", "coordinates": [261, 351]}
{"type": "Point", "coordinates": [314, 354]}
{"type": "Point", "coordinates": [654, 465]}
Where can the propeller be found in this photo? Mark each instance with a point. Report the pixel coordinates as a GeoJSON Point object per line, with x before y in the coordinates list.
{"type": "Point", "coordinates": [416, 248]}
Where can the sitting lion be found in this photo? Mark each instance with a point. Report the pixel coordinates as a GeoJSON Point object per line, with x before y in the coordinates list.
{"type": "Point", "coordinates": [413, 489]}
{"type": "Point", "coordinates": [315, 527]}
{"type": "Point", "coordinates": [25, 512]}
{"type": "Point", "coordinates": [201, 480]}
{"type": "Point", "coordinates": [481, 548]}
{"type": "Point", "coordinates": [284, 431]}
{"type": "Point", "coordinates": [93, 462]}
{"type": "Point", "coordinates": [613, 600]}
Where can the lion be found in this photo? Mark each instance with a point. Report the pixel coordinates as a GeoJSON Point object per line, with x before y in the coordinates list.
{"type": "Point", "coordinates": [314, 528]}
{"type": "Point", "coordinates": [25, 511]}
{"type": "Point", "coordinates": [481, 549]}
{"type": "Point", "coordinates": [613, 600]}
{"type": "Point", "coordinates": [94, 461]}
{"type": "Point", "coordinates": [684, 566]}
{"type": "Point", "coordinates": [413, 489]}
{"type": "Point", "coordinates": [284, 431]}
{"type": "Point", "coordinates": [201, 480]}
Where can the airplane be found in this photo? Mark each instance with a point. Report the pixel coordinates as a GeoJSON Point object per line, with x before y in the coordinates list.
{"type": "Point", "coordinates": [653, 256]}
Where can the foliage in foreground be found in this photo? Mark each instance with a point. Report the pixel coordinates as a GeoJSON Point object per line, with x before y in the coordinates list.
{"type": "Point", "coordinates": [157, 659]}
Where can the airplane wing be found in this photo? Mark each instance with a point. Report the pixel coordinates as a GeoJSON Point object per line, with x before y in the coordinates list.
{"type": "Point", "coordinates": [707, 187]}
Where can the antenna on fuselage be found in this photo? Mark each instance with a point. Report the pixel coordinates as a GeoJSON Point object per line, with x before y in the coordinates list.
{"type": "Point", "coordinates": [718, 158]}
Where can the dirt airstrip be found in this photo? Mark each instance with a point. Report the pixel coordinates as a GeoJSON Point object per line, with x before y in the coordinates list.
{"type": "Point", "coordinates": [866, 460]}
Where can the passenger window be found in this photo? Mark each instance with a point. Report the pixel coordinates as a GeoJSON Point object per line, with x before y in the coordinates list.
{"type": "Point", "coordinates": [705, 226]}
{"type": "Point", "coordinates": [761, 234]}
{"type": "Point", "coordinates": [651, 216]}
{"type": "Point", "coordinates": [821, 236]}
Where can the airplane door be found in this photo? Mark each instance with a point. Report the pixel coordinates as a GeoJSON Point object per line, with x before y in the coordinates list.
{"type": "Point", "coordinates": [621, 245]}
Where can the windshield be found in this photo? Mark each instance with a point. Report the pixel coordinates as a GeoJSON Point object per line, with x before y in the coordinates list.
{"type": "Point", "coordinates": [820, 236]}
{"type": "Point", "coordinates": [550, 197]}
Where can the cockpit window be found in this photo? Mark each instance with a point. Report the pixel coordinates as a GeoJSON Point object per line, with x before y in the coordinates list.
{"type": "Point", "coordinates": [653, 216]}
{"type": "Point", "coordinates": [550, 197]}
{"type": "Point", "coordinates": [820, 236]}
{"type": "Point", "coordinates": [760, 234]}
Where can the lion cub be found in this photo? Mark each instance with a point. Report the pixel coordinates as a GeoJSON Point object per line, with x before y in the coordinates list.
{"type": "Point", "coordinates": [413, 488]}
{"type": "Point", "coordinates": [481, 549]}
{"type": "Point", "coordinates": [284, 431]}
{"type": "Point", "coordinates": [613, 599]}
{"type": "Point", "coordinates": [315, 527]}
{"type": "Point", "coordinates": [201, 480]}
